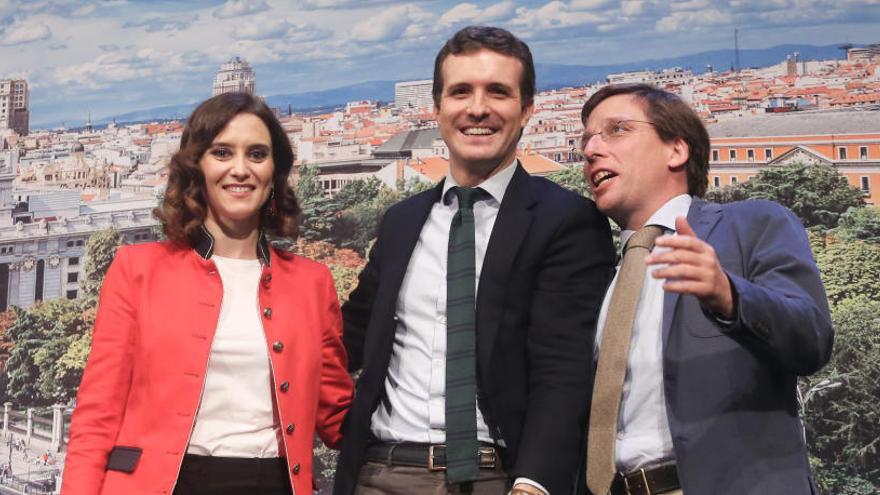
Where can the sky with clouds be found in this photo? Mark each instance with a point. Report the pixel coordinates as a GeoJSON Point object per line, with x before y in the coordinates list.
{"type": "Point", "coordinates": [112, 56]}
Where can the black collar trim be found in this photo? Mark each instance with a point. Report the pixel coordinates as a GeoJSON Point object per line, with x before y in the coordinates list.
{"type": "Point", "coordinates": [203, 244]}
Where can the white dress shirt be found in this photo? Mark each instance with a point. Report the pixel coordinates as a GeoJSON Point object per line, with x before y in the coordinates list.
{"type": "Point", "coordinates": [414, 408]}
{"type": "Point", "coordinates": [643, 437]}
{"type": "Point", "coordinates": [236, 417]}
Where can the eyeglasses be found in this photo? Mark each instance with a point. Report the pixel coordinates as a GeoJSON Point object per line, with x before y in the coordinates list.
{"type": "Point", "coordinates": [613, 130]}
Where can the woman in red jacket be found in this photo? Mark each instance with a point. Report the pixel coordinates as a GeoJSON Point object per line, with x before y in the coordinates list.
{"type": "Point", "coordinates": [215, 357]}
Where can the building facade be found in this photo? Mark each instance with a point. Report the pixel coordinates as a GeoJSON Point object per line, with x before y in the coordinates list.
{"type": "Point", "coordinates": [413, 94]}
{"type": "Point", "coordinates": [14, 112]}
{"type": "Point", "coordinates": [235, 76]}
{"type": "Point", "coordinates": [849, 140]}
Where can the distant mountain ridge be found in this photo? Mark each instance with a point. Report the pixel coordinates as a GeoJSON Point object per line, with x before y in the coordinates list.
{"type": "Point", "coordinates": [550, 76]}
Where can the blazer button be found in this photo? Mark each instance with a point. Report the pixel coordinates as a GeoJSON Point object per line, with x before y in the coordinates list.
{"type": "Point", "coordinates": [267, 313]}
{"type": "Point", "coordinates": [278, 346]}
{"type": "Point", "coordinates": [267, 278]}
{"type": "Point", "coordinates": [296, 468]}
{"type": "Point", "coordinates": [290, 429]}
{"type": "Point", "coordinates": [284, 386]}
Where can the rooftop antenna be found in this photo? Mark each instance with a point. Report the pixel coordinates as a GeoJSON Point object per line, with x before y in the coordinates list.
{"type": "Point", "coordinates": [736, 47]}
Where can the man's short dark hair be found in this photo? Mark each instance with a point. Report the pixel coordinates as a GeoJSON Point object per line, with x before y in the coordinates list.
{"type": "Point", "coordinates": [475, 38]}
{"type": "Point", "coordinates": [672, 119]}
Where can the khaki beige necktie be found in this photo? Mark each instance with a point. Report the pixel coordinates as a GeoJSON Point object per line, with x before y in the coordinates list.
{"type": "Point", "coordinates": [613, 357]}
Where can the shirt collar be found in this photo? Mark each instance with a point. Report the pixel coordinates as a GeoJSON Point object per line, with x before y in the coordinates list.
{"type": "Point", "coordinates": [496, 185]}
{"type": "Point", "coordinates": [664, 217]}
{"type": "Point", "coordinates": [203, 244]}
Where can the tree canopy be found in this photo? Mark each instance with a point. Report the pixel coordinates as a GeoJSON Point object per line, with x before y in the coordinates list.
{"type": "Point", "coordinates": [818, 194]}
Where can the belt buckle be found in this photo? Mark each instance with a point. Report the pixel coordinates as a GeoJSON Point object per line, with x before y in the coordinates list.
{"type": "Point", "coordinates": [431, 466]}
{"type": "Point", "coordinates": [640, 472]}
{"type": "Point", "coordinates": [491, 456]}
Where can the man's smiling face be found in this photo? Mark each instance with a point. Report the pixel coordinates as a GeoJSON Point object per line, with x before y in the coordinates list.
{"type": "Point", "coordinates": [481, 112]}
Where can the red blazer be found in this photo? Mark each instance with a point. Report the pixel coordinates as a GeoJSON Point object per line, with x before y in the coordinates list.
{"type": "Point", "coordinates": [142, 384]}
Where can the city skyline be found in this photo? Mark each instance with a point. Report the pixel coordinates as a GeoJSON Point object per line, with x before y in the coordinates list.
{"type": "Point", "coordinates": [110, 57]}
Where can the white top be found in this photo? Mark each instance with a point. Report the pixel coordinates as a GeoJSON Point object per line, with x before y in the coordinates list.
{"type": "Point", "coordinates": [415, 389]}
{"type": "Point", "coordinates": [643, 438]}
{"type": "Point", "coordinates": [236, 417]}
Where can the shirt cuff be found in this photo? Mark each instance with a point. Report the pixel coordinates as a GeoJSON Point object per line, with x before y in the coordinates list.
{"type": "Point", "coordinates": [533, 483]}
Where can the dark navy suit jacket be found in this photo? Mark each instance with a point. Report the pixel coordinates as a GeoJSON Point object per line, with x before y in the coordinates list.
{"type": "Point", "coordinates": [731, 392]}
{"type": "Point", "coordinates": [543, 278]}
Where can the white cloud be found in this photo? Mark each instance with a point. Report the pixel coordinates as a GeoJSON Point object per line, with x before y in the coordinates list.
{"type": "Point", "coordinates": [690, 20]}
{"type": "Point", "coordinates": [163, 24]}
{"type": "Point", "coordinates": [390, 24]}
{"type": "Point", "coordinates": [588, 4]}
{"type": "Point", "coordinates": [632, 7]}
{"type": "Point", "coordinates": [471, 13]}
{"type": "Point", "coordinates": [459, 13]}
{"type": "Point", "coordinates": [336, 4]}
{"type": "Point", "coordinates": [554, 15]}
{"type": "Point", "coordinates": [274, 28]}
{"type": "Point", "coordinates": [25, 32]}
{"type": "Point", "coordinates": [236, 8]}
{"type": "Point", "coordinates": [111, 68]}
{"type": "Point", "coordinates": [84, 10]}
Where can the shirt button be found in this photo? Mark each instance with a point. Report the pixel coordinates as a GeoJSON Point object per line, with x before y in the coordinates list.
{"type": "Point", "coordinates": [290, 429]}
{"type": "Point", "coordinates": [277, 346]}
{"type": "Point", "coordinates": [284, 386]}
{"type": "Point", "coordinates": [442, 320]}
{"type": "Point", "coordinates": [296, 468]}
{"type": "Point", "coordinates": [267, 313]}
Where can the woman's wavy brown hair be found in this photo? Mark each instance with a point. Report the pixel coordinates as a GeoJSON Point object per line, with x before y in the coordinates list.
{"type": "Point", "coordinates": [183, 207]}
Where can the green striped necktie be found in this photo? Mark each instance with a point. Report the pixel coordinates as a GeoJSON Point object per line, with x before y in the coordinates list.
{"type": "Point", "coordinates": [462, 448]}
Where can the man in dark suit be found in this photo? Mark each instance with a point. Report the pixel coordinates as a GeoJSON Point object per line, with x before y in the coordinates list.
{"type": "Point", "coordinates": [731, 312]}
{"type": "Point", "coordinates": [540, 258]}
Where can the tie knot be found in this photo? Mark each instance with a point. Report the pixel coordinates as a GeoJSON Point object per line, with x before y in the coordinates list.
{"type": "Point", "coordinates": [644, 238]}
{"type": "Point", "coordinates": [467, 196]}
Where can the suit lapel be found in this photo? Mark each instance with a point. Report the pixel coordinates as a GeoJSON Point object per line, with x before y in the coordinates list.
{"type": "Point", "coordinates": [702, 217]}
{"type": "Point", "coordinates": [407, 233]}
{"type": "Point", "coordinates": [511, 225]}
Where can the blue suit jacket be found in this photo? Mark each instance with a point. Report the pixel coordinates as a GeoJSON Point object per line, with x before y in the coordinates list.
{"type": "Point", "coordinates": [731, 392]}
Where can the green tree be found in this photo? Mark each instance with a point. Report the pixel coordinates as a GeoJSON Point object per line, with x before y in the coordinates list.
{"type": "Point", "coordinates": [859, 223]}
{"type": "Point", "coordinates": [728, 194]}
{"type": "Point", "coordinates": [316, 210]}
{"type": "Point", "coordinates": [840, 402]}
{"type": "Point", "coordinates": [818, 194]}
{"type": "Point", "coordinates": [100, 251]}
{"type": "Point", "coordinates": [849, 268]}
{"type": "Point", "coordinates": [51, 342]}
{"type": "Point", "coordinates": [573, 179]}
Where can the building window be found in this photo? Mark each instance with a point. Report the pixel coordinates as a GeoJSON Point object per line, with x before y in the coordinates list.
{"type": "Point", "coordinates": [38, 288]}
{"type": "Point", "coordinates": [71, 294]}
{"type": "Point", "coordinates": [4, 285]}
{"type": "Point", "coordinates": [716, 181]}
{"type": "Point", "coordinates": [73, 261]}
{"type": "Point", "coordinates": [732, 155]}
{"type": "Point", "coordinates": [866, 184]}
{"type": "Point", "coordinates": [841, 153]}
{"type": "Point", "coordinates": [733, 180]}
{"type": "Point", "coordinates": [750, 154]}
{"type": "Point", "coordinates": [863, 152]}
{"type": "Point", "coordinates": [714, 155]}
{"type": "Point", "coordinates": [72, 277]}
{"type": "Point", "coordinates": [768, 154]}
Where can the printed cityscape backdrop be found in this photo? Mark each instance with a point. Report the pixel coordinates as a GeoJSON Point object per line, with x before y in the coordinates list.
{"type": "Point", "coordinates": [93, 97]}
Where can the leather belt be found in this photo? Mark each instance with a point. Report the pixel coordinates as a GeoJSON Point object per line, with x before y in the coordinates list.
{"type": "Point", "coordinates": [432, 457]}
{"type": "Point", "coordinates": [652, 481]}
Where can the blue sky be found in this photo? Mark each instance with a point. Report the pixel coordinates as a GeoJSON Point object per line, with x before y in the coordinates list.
{"type": "Point", "coordinates": [112, 56]}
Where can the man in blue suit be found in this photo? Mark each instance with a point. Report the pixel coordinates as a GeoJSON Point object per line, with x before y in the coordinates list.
{"type": "Point", "coordinates": [731, 312]}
